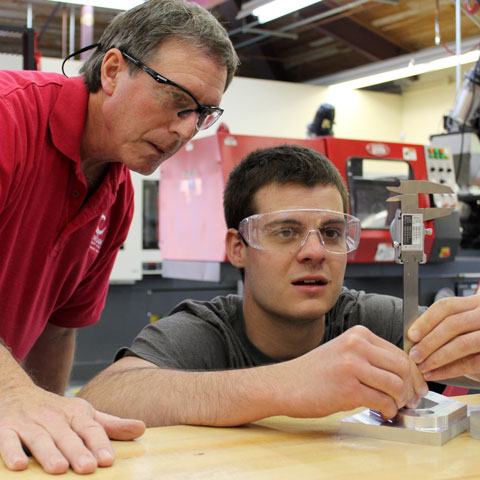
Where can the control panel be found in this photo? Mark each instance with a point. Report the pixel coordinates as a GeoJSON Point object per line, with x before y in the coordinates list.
{"type": "Point", "coordinates": [440, 169]}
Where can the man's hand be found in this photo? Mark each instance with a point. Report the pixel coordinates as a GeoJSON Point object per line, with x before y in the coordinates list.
{"type": "Point", "coordinates": [355, 369]}
{"type": "Point", "coordinates": [447, 338]}
{"type": "Point", "coordinates": [58, 431]}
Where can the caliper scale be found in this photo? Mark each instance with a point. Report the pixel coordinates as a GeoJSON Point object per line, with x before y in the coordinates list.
{"type": "Point", "coordinates": [408, 233]}
{"type": "Point", "coordinates": [437, 418]}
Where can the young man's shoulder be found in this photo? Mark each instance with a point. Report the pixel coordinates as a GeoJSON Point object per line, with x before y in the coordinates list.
{"type": "Point", "coordinates": [224, 308]}
{"type": "Point", "coordinates": [381, 314]}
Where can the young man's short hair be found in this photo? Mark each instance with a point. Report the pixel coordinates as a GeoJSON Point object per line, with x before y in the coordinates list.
{"type": "Point", "coordinates": [282, 165]}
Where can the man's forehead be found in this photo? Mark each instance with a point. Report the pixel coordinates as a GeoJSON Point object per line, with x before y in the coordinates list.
{"type": "Point", "coordinates": [287, 196]}
{"type": "Point", "coordinates": [174, 50]}
{"type": "Point", "coordinates": [191, 66]}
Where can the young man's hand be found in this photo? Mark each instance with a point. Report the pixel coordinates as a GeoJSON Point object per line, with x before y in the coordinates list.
{"type": "Point", "coordinates": [355, 369]}
{"type": "Point", "coordinates": [447, 338]}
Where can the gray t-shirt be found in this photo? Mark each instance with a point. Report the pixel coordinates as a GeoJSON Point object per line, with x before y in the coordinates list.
{"type": "Point", "coordinates": [211, 335]}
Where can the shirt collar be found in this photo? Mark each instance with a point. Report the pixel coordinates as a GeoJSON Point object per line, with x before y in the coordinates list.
{"type": "Point", "coordinates": [67, 123]}
{"type": "Point", "coordinates": [68, 118]}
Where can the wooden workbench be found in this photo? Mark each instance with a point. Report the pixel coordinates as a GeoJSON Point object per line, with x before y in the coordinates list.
{"type": "Point", "coordinates": [278, 448]}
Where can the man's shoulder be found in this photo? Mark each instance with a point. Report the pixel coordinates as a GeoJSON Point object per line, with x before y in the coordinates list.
{"type": "Point", "coordinates": [380, 313]}
{"type": "Point", "coordinates": [352, 297]}
{"type": "Point", "coordinates": [11, 80]}
{"type": "Point", "coordinates": [222, 308]}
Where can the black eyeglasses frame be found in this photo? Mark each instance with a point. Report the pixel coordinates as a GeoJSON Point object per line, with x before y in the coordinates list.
{"type": "Point", "coordinates": [202, 110]}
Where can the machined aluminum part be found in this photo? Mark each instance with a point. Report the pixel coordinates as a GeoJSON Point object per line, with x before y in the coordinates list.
{"type": "Point", "coordinates": [436, 420]}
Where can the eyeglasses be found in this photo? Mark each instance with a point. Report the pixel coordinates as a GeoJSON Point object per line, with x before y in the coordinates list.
{"type": "Point", "coordinates": [287, 230]}
{"type": "Point", "coordinates": [178, 99]}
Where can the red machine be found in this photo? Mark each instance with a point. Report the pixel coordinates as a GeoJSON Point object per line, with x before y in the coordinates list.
{"type": "Point", "coordinates": [192, 226]}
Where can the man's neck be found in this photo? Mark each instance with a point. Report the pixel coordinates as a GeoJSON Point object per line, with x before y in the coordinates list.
{"type": "Point", "coordinates": [279, 337]}
{"type": "Point", "coordinates": [95, 163]}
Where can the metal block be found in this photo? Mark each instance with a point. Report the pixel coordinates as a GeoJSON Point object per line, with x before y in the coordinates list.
{"type": "Point", "coordinates": [436, 420]}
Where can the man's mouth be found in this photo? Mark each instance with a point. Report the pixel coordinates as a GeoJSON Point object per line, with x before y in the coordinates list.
{"type": "Point", "coordinates": [311, 282]}
{"type": "Point", "coordinates": [158, 149]}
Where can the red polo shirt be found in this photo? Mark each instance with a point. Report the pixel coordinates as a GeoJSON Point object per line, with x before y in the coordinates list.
{"type": "Point", "coordinates": [55, 254]}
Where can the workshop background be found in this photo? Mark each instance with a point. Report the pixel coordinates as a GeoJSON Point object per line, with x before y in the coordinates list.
{"type": "Point", "coordinates": [406, 62]}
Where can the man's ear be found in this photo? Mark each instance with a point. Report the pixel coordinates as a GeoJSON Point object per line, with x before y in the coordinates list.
{"type": "Point", "coordinates": [235, 247]}
{"type": "Point", "coordinates": [112, 64]}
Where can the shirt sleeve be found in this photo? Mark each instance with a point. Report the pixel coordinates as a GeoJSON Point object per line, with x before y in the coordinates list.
{"type": "Point", "coordinates": [10, 152]}
{"type": "Point", "coordinates": [180, 341]}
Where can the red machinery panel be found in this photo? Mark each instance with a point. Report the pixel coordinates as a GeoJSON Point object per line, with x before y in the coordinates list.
{"type": "Point", "coordinates": [375, 243]}
{"type": "Point", "coordinates": [192, 226]}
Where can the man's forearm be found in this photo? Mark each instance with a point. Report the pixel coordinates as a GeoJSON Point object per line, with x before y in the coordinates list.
{"type": "Point", "coordinates": [168, 397]}
{"type": "Point", "coordinates": [12, 373]}
{"type": "Point", "coordinates": [50, 360]}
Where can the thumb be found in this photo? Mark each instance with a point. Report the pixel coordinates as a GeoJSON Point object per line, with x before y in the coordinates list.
{"type": "Point", "coordinates": [120, 428]}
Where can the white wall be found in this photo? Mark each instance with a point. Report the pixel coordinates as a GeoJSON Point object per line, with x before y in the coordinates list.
{"type": "Point", "coordinates": [15, 62]}
{"type": "Point", "coordinates": [282, 109]}
{"type": "Point", "coordinates": [424, 107]}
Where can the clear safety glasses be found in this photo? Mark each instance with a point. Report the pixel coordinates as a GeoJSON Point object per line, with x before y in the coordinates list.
{"type": "Point", "coordinates": [287, 230]}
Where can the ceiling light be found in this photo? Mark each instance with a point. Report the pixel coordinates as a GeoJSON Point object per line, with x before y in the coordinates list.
{"type": "Point", "coordinates": [404, 66]}
{"type": "Point", "coordinates": [267, 10]}
{"type": "Point", "coordinates": [116, 5]}
{"type": "Point", "coordinates": [410, 70]}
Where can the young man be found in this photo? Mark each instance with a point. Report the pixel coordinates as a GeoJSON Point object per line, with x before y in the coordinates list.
{"type": "Point", "coordinates": [297, 343]}
{"type": "Point", "coordinates": [66, 202]}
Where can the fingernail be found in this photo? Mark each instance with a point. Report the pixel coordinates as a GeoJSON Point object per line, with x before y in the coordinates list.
{"type": "Point", "coordinates": [414, 335]}
{"type": "Point", "coordinates": [17, 463]}
{"type": "Point", "coordinates": [414, 355]}
{"type": "Point", "coordinates": [423, 390]}
{"type": "Point", "coordinates": [413, 402]}
{"type": "Point", "coordinates": [427, 376]}
{"type": "Point", "coordinates": [85, 461]}
{"type": "Point", "coordinates": [105, 455]}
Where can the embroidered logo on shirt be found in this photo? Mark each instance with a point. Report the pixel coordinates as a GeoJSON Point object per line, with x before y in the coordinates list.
{"type": "Point", "coordinates": [98, 236]}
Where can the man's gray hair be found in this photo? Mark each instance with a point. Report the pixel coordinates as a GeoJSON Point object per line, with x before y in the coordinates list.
{"type": "Point", "coordinates": [140, 31]}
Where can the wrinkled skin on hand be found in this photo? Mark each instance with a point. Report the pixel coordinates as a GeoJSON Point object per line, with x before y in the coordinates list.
{"type": "Point", "coordinates": [58, 431]}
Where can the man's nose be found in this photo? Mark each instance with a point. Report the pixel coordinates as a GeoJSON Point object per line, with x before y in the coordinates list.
{"type": "Point", "coordinates": [185, 127]}
{"type": "Point", "coordinates": [312, 246]}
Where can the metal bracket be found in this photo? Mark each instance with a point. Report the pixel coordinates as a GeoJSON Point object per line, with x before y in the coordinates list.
{"type": "Point", "coordinates": [436, 420]}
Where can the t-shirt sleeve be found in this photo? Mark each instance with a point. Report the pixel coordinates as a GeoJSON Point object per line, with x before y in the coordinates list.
{"type": "Point", "coordinates": [180, 341]}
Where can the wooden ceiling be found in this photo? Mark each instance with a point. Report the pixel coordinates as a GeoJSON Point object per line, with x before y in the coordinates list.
{"type": "Point", "coordinates": [325, 38]}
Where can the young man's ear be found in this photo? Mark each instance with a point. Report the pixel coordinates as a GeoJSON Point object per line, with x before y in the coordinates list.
{"type": "Point", "coordinates": [235, 247]}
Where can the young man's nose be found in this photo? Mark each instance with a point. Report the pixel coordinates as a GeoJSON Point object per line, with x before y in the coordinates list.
{"type": "Point", "coordinates": [312, 246]}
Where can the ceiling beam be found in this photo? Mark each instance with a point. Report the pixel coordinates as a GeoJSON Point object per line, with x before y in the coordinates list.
{"type": "Point", "coordinates": [257, 62]}
{"type": "Point", "coordinates": [360, 38]}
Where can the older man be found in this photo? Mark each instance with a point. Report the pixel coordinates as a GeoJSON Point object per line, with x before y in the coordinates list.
{"type": "Point", "coordinates": [66, 200]}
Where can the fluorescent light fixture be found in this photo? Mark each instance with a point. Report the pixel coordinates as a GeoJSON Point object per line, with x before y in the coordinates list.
{"type": "Point", "coordinates": [404, 66]}
{"type": "Point", "coordinates": [410, 70]}
{"type": "Point", "coordinates": [279, 8]}
{"type": "Point", "coordinates": [116, 4]}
